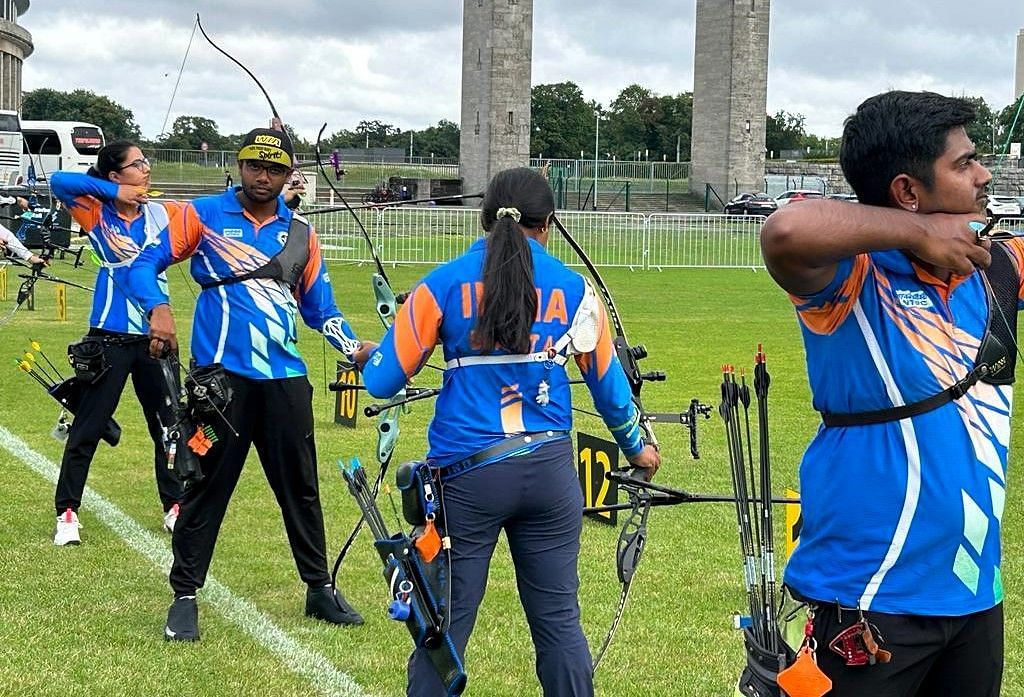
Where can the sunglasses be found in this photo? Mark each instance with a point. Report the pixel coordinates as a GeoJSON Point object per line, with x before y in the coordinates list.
{"type": "Point", "coordinates": [141, 164]}
{"type": "Point", "coordinates": [274, 170]}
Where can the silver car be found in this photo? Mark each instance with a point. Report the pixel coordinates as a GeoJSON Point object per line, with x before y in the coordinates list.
{"type": "Point", "coordinates": [1002, 205]}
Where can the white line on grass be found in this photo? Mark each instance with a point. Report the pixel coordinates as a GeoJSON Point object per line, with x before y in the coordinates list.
{"type": "Point", "coordinates": [313, 666]}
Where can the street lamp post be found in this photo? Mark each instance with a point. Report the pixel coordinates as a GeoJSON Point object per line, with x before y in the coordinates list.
{"type": "Point", "coordinates": [597, 137]}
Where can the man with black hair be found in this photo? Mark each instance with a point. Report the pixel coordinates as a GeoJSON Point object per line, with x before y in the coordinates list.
{"type": "Point", "coordinates": [910, 354]}
{"type": "Point", "coordinates": [259, 265]}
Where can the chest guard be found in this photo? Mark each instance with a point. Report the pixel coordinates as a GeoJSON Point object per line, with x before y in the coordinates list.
{"type": "Point", "coordinates": [286, 266]}
{"type": "Point", "coordinates": [995, 361]}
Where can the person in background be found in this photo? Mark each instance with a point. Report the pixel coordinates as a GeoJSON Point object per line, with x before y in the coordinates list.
{"type": "Point", "coordinates": [10, 245]}
{"type": "Point", "coordinates": [335, 160]}
{"type": "Point", "coordinates": [294, 190]}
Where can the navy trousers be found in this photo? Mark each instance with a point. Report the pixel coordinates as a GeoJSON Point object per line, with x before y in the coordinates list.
{"type": "Point", "coordinates": [536, 499]}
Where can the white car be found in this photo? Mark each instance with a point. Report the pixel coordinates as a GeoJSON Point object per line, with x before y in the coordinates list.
{"type": "Point", "coordinates": [796, 195]}
{"type": "Point", "coordinates": [1002, 205]}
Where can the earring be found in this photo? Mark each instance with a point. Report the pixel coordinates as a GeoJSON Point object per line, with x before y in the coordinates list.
{"type": "Point", "coordinates": [913, 206]}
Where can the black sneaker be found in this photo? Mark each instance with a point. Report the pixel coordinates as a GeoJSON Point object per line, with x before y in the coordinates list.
{"type": "Point", "coordinates": [330, 605]}
{"type": "Point", "coordinates": [182, 620]}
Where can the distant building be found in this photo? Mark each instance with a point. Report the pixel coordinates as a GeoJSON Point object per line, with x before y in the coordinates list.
{"type": "Point", "coordinates": [497, 54]}
{"type": "Point", "coordinates": [1019, 82]}
{"type": "Point", "coordinates": [15, 47]}
{"type": "Point", "coordinates": [730, 91]}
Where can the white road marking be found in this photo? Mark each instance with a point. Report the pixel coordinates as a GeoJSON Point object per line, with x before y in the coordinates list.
{"type": "Point", "coordinates": [306, 662]}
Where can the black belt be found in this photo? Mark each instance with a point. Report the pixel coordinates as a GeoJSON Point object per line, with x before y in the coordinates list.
{"type": "Point", "coordinates": [880, 416]}
{"type": "Point", "coordinates": [116, 338]}
{"type": "Point", "coordinates": [506, 447]}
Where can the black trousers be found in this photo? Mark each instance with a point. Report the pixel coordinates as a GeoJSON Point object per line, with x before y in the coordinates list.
{"type": "Point", "coordinates": [931, 656]}
{"type": "Point", "coordinates": [124, 357]}
{"type": "Point", "coordinates": [277, 417]}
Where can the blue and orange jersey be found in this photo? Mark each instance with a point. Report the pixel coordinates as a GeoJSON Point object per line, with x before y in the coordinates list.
{"type": "Point", "coordinates": [481, 405]}
{"type": "Point", "coordinates": [116, 240]}
{"type": "Point", "coordinates": [903, 516]}
{"type": "Point", "coordinates": [248, 326]}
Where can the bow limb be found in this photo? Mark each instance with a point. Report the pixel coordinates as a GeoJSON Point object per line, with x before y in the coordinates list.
{"type": "Point", "coordinates": [627, 354]}
{"type": "Point", "coordinates": [386, 308]}
{"type": "Point", "coordinates": [629, 550]}
{"type": "Point", "coordinates": [234, 60]}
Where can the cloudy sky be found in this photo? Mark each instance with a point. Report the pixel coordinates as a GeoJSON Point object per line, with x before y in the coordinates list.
{"type": "Point", "coordinates": [343, 61]}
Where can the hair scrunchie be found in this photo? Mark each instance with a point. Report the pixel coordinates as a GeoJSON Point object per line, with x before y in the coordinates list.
{"type": "Point", "coordinates": [510, 212]}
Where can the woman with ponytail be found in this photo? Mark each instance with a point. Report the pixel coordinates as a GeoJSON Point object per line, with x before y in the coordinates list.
{"type": "Point", "coordinates": [508, 315]}
{"type": "Point", "coordinates": [111, 205]}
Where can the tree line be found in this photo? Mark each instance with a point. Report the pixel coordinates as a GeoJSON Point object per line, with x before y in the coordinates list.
{"type": "Point", "coordinates": [637, 124]}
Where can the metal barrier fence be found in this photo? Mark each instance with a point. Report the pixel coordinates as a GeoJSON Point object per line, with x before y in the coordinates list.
{"type": "Point", "coordinates": [680, 240]}
{"type": "Point", "coordinates": [616, 169]}
{"type": "Point", "coordinates": [644, 177]}
{"type": "Point", "coordinates": [415, 235]}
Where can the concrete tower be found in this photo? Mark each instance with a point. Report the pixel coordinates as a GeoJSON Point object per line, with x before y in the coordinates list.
{"type": "Point", "coordinates": [730, 88]}
{"type": "Point", "coordinates": [15, 47]}
{"type": "Point", "coordinates": [497, 50]}
{"type": "Point", "coordinates": [1018, 84]}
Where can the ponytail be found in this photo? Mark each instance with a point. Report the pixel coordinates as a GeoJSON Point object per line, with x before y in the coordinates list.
{"type": "Point", "coordinates": [509, 302]}
{"type": "Point", "coordinates": [515, 199]}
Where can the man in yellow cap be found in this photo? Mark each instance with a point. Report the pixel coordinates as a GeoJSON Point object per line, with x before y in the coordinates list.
{"type": "Point", "coordinates": [260, 267]}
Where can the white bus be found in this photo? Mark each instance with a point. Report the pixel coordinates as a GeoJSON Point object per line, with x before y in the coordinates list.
{"type": "Point", "coordinates": [59, 145]}
{"type": "Point", "coordinates": [10, 148]}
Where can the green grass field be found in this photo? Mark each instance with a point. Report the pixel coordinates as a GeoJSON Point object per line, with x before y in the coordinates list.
{"type": "Point", "coordinates": [88, 620]}
{"type": "Point", "coordinates": [199, 170]}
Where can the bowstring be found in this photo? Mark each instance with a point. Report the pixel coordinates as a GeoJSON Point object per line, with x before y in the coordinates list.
{"type": "Point", "coordinates": [181, 70]}
{"type": "Point", "coordinates": [998, 169]}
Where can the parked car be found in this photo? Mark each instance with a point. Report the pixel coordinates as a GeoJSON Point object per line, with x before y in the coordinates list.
{"type": "Point", "coordinates": [796, 195]}
{"type": "Point", "coordinates": [852, 198]}
{"type": "Point", "coordinates": [751, 204]}
{"type": "Point", "coordinates": [1002, 205]}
